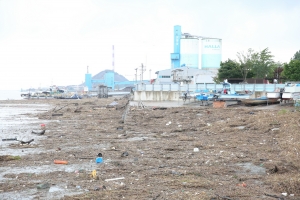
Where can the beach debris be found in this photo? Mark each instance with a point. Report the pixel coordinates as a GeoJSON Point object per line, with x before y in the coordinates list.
{"type": "Point", "coordinates": [9, 157]}
{"type": "Point", "coordinates": [124, 154]}
{"type": "Point", "coordinates": [99, 158]}
{"type": "Point", "coordinates": [112, 104]}
{"type": "Point", "coordinates": [242, 184]}
{"type": "Point", "coordinates": [274, 170]}
{"type": "Point", "coordinates": [59, 108]}
{"type": "Point", "coordinates": [21, 141]}
{"type": "Point", "coordinates": [196, 149]}
{"type": "Point", "coordinates": [160, 108]}
{"type": "Point", "coordinates": [26, 142]}
{"type": "Point", "coordinates": [43, 126]}
{"type": "Point", "coordinates": [94, 174]}
{"type": "Point", "coordinates": [60, 162]}
{"type": "Point", "coordinates": [176, 173]}
{"type": "Point", "coordinates": [57, 114]}
{"type": "Point", "coordinates": [274, 196]}
{"type": "Point", "coordinates": [223, 197]}
{"type": "Point", "coordinates": [42, 132]}
{"type": "Point", "coordinates": [43, 186]}
{"type": "Point", "coordinates": [9, 139]}
{"type": "Point", "coordinates": [114, 179]}
{"type": "Point", "coordinates": [99, 188]}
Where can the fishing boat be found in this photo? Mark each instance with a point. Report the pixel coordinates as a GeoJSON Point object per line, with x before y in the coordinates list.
{"type": "Point", "coordinates": [291, 91]}
{"type": "Point", "coordinates": [260, 101]}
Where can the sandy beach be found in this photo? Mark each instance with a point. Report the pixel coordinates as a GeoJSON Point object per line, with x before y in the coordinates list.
{"type": "Point", "coordinates": [150, 151]}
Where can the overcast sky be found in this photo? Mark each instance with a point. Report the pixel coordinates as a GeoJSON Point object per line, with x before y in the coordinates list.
{"type": "Point", "coordinates": [51, 42]}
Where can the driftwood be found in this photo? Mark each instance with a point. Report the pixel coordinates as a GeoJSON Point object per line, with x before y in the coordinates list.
{"type": "Point", "coordinates": [26, 142]}
{"type": "Point", "coordinates": [39, 132]}
{"type": "Point", "coordinates": [227, 198]}
{"type": "Point", "coordinates": [9, 139]}
{"type": "Point", "coordinates": [57, 114]}
{"type": "Point", "coordinates": [59, 108]}
{"type": "Point", "coordinates": [274, 196]}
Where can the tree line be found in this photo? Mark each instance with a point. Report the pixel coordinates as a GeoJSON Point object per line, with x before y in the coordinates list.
{"type": "Point", "coordinates": [259, 65]}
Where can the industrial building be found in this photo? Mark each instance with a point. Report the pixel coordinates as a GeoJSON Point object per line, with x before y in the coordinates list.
{"type": "Point", "coordinates": [196, 59]}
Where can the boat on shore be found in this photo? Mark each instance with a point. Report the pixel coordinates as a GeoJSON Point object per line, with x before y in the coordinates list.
{"type": "Point", "coordinates": [259, 101]}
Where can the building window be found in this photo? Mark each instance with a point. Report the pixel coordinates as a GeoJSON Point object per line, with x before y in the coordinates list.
{"type": "Point", "coordinates": [165, 76]}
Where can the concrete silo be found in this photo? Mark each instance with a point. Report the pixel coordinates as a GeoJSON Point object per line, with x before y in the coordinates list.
{"type": "Point", "coordinates": [211, 55]}
{"type": "Point", "coordinates": [189, 52]}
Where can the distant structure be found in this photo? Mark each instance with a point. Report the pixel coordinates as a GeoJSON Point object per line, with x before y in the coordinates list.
{"type": "Point", "coordinates": [186, 51]}
{"type": "Point", "coordinates": [186, 57]}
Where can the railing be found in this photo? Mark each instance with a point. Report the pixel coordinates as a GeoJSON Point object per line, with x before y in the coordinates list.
{"type": "Point", "coordinates": [208, 86]}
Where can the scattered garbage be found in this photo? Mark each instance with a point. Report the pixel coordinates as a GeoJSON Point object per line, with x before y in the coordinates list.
{"type": "Point", "coordinates": [43, 186]}
{"type": "Point", "coordinates": [275, 129]}
{"type": "Point", "coordinates": [94, 174]}
{"type": "Point", "coordinates": [39, 132]}
{"type": "Point", "coordinates": [124, 154]}
{"type": "Point", "coordinates": [43, 126]}
{"type": "Point", "coordinates": [99, 188]}
{"type": "Point", "coordinates": [57, 114]}
{"type": "Point", "coordinates": [60, 162]}
{"type": "Point", "coordinates": [176, 173]}
{"type": "Point", "coordinates": [284, 194]}
{"type": "Point", "coordinates": [9, 139]}
{"type": "Point", "coordinates": [168, 123]}
{"type": "Point", "coordinates": [242, 184]}
{"type": "Point", "coordinates": [159, 108]}
{"type": "Point", "coordinates": [99, 158]}
{"type": "Point", "coordinates": [21, 141]}
{"type": "Point", "coordinates": [196, 149]}
{"type": "Point", "coordinates": [26, 142]}
{"type": "Point", "coordinates": [114, 179]}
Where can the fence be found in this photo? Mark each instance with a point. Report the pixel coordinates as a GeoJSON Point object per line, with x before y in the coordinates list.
{"type": "Point", "coordinates": [208, 86]}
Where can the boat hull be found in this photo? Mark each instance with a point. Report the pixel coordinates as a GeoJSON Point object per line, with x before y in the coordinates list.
{"type": "Point", "coordinates": [259, 101]}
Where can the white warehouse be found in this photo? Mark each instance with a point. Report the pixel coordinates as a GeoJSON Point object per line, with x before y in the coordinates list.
{"type": "Point", "coordinates": [184, 75]}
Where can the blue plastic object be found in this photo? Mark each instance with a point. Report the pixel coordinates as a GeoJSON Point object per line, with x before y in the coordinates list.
{"type": "Point", "coordinates": [99, 160]}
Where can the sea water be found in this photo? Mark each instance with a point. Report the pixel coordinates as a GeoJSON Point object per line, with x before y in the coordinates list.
{"type": "Point", "coordinates": [10, 95]}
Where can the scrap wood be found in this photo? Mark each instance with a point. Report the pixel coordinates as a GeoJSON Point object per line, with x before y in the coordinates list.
{"type": "Point", "coordinates": [9, 139]}
{"type": "Point", "coordinates": [26, 142]}
{"type": "Point", "coordinates": [274, 196]}
{"type": "Point", "coordinates": [57, 114]}
{"type": "Point", "coordinates": [59, 108]}
{"type": "Point", "coordinates": [227, 198]}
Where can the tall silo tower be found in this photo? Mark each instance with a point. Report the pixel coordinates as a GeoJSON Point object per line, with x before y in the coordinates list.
{"type": "Point", "coordinates": [211, 55]}
{"type": "Point", "coordinates": [189, 52]}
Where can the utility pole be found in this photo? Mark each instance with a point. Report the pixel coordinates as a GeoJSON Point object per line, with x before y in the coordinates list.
{"type": "Point", "coordinates": [142, 72]}
{"type": "Point", "coordinates": [150, 74]}
{"type": "Point", "coordinates": [136, 74]}
{"type": "Point", "coordinates": [143, 68]}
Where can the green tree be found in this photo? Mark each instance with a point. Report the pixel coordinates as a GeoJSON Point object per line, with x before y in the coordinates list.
{"type": "Point", "coordinates": [263, 63]}
{"type": "Point", "coordinates": [291, 71]}
{"type": "Point", "coordinates": [245, 63]}
{"type": "Point", "coordinates": [296, 56]}
{"type": "Point", "coordinates": [228, 69]}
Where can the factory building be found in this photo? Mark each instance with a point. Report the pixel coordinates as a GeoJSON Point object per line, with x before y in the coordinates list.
{"type": "Point", "coordinates": [197, 58]}
{"type": "Point", "coordinates": [184, 75]}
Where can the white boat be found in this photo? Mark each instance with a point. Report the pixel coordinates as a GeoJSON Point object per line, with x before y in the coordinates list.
{"type": "Point", "coordinates": [273, 95]}
{"type": "Point", "coordinates": [291, 91]}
